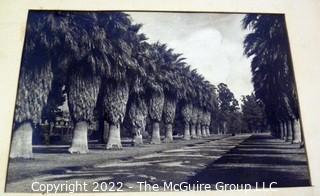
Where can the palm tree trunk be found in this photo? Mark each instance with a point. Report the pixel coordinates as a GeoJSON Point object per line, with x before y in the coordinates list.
{"type": "Point", "coordinates": [193, 131]}
{"type": "Point", "coordinates": [224, 129]}
{"type": "Point", "coordinates": [114, 139]}
{"type": "Point", "coordinates": [186, 112]}
{"type": "Point", "coordinates": [105, 131]}
{"type": "Point", "coordinates": [156, 103]}
{"type": "Point", "coordinates": [199, 134]}
{"type": "Point", "coordinates": [169, 137]}
{"type": "Point", "coordinates": [281, 130]}
{"type": "Point", "coordinates": [296, 131]}
{"type": "Point", "coordinates": [208, 130]}
{"type": "Point", "coordinates": [137, 138]}
{"type": "Point", "coordinates": [80, 138]}
{"type": "Point", "coordinates": [285, 131]}
{"type": "Point", "coordinates": [115, 102]}
{"type": "Point", "coordinates": [186, 135]}
{"type": "Point", "coordinates": [21, 145]}
{"type": "Point", "coordinates": [137, 117]}
{"type": "Point", "coordinates": [155, 133]}
{"type": "Point", "coordinates": [82, 98]}
{"type": "Point", "coordinates": [168, 115]}
{"type": "Point", "coordinates": [290, 131]}
{"type": "Point", "coordinates": [278, 130]}
{"type": "Point", "coordinates": [32, 95]}
{"type": "Point", "coordinates": [203, 130]}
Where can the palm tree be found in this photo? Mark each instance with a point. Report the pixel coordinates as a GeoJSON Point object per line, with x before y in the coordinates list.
{"type": "Point", "coordinates": [90, 45]}
{"type": "Point", "coordinates": [45, 36]}
{"type": "Point", "coordinates": [197, 113]}
{"type": "Point", "coordinates": [154, 90]}
{"type": "Point", "coordinates": [187, 93]}
{"type": "Point", "coordinates": [194, 114]}
{"type": "Point", "coordinates": [210, 104]}
{"type": "Point", "coordinates": [194, 119]}
{"type": "Point", "coordinates": [200, 131]}
{"type": "Point", "coordinates": [123, 37]}
{"type": "Point", "coordinates": [138, 110]}
{"type": "Point", "coordinates": [82, 97]}
{"type": "Point", "coordinates": [186, 112]}
{"type": "Point", "coordinates": [156, 101]}
{"type": "Point", "coordinates": [172, 89]}
{"type": "Point", "coordinates": [207, 123]}
{"type": "Point", "coordinates": [115, 101]}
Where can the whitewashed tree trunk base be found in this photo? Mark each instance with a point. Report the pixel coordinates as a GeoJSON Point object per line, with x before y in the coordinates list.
{"type": "Point", "coordinates": [290, 131]}
{"type": "Point", "coordinates": [208, 131]}
{"type": "Point", "coordinates": [199, 134]}
{"type": "Point", "coordinates": [169, 137]}
{"type": "Point", "coordinates": [193, 132]}
{"type": "Point", "coordinates": [281, 131]}
{"type": "Point", "coordinates": [105, 131]}
{"type": "Point", "coordinates": [296, 131]}
{"type": "Point", "coordinates": [21, 145]}
{"type": "Point", "coordinates": [137, 140]}
{"type": "Point", "coordinates": [186, 135]}
{"type": "Point", "coordinates": [285, 131]}
{"type": "Point", "coordinates": [114, 140]}
{"type": "Point", "coordinates": [155, 133]}
{"type": "Point", "coordinates": [80, 138]}
{"type": "Point", "coordinates": [203, 131]}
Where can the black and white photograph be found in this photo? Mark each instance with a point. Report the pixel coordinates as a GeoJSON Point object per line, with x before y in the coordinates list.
{"type": "Point", "coordinates": [156, 101]}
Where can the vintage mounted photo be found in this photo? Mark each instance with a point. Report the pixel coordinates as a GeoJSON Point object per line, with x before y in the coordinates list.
{"type": "Point", "coordinates": [111, 101]}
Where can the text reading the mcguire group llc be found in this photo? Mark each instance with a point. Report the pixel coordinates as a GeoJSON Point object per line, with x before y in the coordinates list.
{"type": "Point", "coordinates": [144, 186]}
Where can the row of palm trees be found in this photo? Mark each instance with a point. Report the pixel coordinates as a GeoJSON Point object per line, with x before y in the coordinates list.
{"type": "Point", "coordinates": [272, 71]}
{"type": "Point", "coordinates": [108, 69]}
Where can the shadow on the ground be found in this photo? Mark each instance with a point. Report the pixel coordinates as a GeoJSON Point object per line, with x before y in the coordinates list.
{"type": "Point", "coordinates": [250, 163]}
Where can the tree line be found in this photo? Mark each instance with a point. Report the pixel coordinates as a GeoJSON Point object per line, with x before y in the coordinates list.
{"type": "Point", "coordinates": [110, 73]}
{"type": "Point", "coordinates": [272, 73]}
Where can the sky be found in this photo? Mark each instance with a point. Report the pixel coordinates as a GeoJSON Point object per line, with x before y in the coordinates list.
{"type": "Point", "coordinates": [212, 43]}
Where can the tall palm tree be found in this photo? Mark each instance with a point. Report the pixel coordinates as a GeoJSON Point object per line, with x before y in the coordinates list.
{"type": "Point", "coordinates": [91, 46]}
{"type": "Point", "coordinates": [123, 37]}
{"type": "Point", "coordinates": [199, 123]}
{"type": "Point", "coordinates": [187, 92]}
{"type": "Point", "coordinates": [156, 101]}
{"type": "Point", "coordinates": [209, 104]}
{"type": "Point", "coordinates": [186, 112]}
{"type": "Point", "coordinates": [154, 90]}
{"type": "Point", "coordinates": [197, 80]}
{"type": "Point", "coordinates": [138, 110]}
{"type": "Point", "coordinates": [172, 89]}
{"type": "Point", "coordinates": [207, 123]}
{"type": "Point", "coordinates": [45, 36]}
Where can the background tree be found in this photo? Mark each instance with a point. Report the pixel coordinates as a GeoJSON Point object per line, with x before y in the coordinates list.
{"type": "Point", "coordinates": [253, 113]}
{"type": "Point", "coordinates": [229, 108]}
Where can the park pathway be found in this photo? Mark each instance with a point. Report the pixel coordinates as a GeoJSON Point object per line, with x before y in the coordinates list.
{"type": "Point", "coordinates": [176, 164]}
{"type": "Point", "coordinates": [261, 158]}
